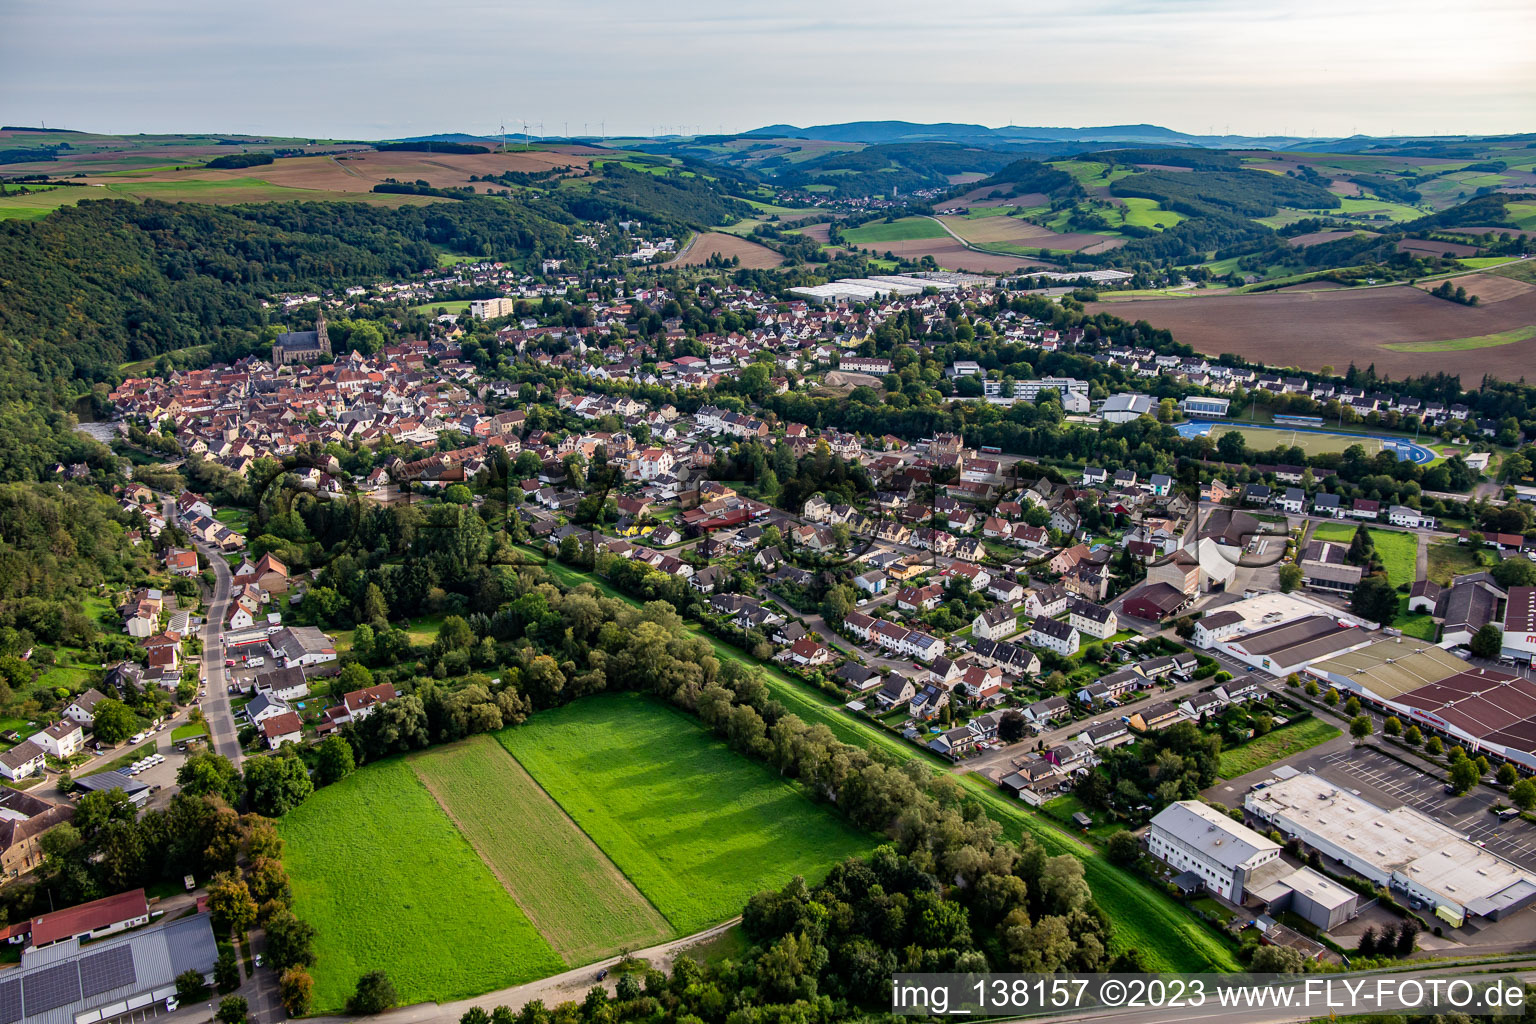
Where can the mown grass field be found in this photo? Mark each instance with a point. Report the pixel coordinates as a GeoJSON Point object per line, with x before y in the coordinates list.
{"type": "Point", "coordinates": [1282, 742]}
{"type": "Point", "coordinates": [1398, 551]}
{"type": "Point", "coordinates": [1262, 439]}
{"type": "Point", "coordinates": [697, 827]}
{"type": "Point", "coordinates": [582, 905]}
{"type": "Point", "coordinates": [389, 882]}
{"type": "Point", "coordinates": [904, 230]}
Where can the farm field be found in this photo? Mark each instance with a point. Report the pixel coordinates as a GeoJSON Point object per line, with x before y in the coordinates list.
{"type": "Point", "coordinates": [1011, 233]}
{"type": "Point", "coordinates": [695, 826]}
{"type": "Point", "coordinates": [1271, 747]}
{"type": "Point", "coordinates": [725, 246]}
{"type": "Point", "coordinates": [375, 865]}
{"type": "Point", "coordinates": [1464, 344]}
{"type": "Point", "coordinates": [950, 254]}
{"type": "Point", "coordinates": [1311, 328]}
{"type": "Point", "coordinates": [582, 905]}
{"type": "Point", "coordinates": [904, 230]}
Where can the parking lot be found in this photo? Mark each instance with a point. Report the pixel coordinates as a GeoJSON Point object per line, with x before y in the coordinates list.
{"type": "Point", "coordinates": [1389, 783]}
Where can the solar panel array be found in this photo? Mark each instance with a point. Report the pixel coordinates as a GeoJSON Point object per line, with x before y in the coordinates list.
{"type": "Point", "coordinates": [10, 1002]}
{"type": "Point", "coordinates": [51, 988]}
{"type": "Point", "coordinates": [102, 972]}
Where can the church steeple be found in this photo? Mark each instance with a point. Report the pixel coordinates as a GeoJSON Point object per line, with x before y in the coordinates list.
{"type": "Point", "coordinates": [321, 336]}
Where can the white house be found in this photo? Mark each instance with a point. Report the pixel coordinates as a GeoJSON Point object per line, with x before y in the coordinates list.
{"type": "Point", "coordinates": [1093, 619]}
{"type": "Point", "coordinates": [1402, 515]}
{"type": "Point", "coordinates": [24, 759]}
{"type": "Point", "coordinates": [1055, 635]}
{"type": "Point", "coordinates": [83, 708]}
{"type": "Point", "coordinates": [283, 728]}
{"type": "Point", "coordinates": [62, 739]}
{"type": "Point", "coordinates": [995, 623]}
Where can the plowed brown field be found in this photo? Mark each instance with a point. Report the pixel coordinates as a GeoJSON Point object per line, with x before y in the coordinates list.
{"type": "Point", "coordinates": [716, 243]}
{"type": "Point", "coordinates": [1334, 327]}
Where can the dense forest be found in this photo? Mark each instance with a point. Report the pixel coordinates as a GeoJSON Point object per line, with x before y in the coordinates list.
{"type": "Point", "coordinates": [1247, 193]}
{"type": "Point", "coordinates": [877, 170]}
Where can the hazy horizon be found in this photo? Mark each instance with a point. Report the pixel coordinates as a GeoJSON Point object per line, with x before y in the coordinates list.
{"type": "Point", "coordinates": [589, 67]}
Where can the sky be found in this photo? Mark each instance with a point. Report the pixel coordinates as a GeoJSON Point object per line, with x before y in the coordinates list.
{"type": "Point", "coordinates": [390, 68]}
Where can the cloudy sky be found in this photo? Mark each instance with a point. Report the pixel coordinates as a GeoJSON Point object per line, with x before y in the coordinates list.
{"type": "Point", "coordinates": [389, 68]}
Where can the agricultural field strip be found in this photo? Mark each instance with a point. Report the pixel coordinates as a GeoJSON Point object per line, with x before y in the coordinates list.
{"type": "Point", "coordinates": [375, 865]}
{"type": "Point", "coordinates": [579, 901]}
{"type": "Point", "coordinates": [697, 827]}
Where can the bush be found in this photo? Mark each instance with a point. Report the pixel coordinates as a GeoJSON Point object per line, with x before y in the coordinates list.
{"type": "Point", "coordinates": [1123, 847]}
{"type": "Point", "coordinates": [298, 990]}
{"type": "Point", "coordinates": [233, 1010]}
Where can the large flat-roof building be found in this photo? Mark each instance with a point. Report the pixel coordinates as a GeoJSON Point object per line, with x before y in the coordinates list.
{"type": "Point", "coordinates": [1484, 710]}
{"type": "Point", "coordinates": [1520, 623]}
{"type": "Point", "coordinates": [1290, 646]}
{"type": "Point", "coordinates": [1191, 836]}
{"type": "Point", "coordinates": [1402, 849]}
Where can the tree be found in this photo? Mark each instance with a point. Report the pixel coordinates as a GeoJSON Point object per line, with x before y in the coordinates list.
{"type": "Point", "coordinates": [1367, 946]}
{"type": "Point", "coordinates": [230, 902]}
{"type": "Point", "coordinates": [1433, 747]}
{"type": "Point", "coordinates": [1277, 960]}
{"type": "Point", "coordinates": [1523, 794]}
{"type": "Point", "coordinates": [1463, 775]}
{"type": "Point", "coordinates": [207, 773]}
{"type": "Point", "coordinates": [290, 940]}
{"type": "Point", "coordinates": [190, 986]}
{"type": "Point", "coordinates": [1487, 642]}
{"type": "Point", "coordinates": [1331, 698]}
{"type": "Point", "coordinates": [1507, 774]}
{"type": "Point", "coordinates": [1413, 737]}
{"type": "Point", "coordinates": [233, 1010]}
{"type": "Point", "coordinates": [1374, 599]}
{"type": "Point", "coordinates": [1010, 728]}
{"type": "Point", "coordinates": [1392, 725]}
{"type": "Point", "coordinates": [1123, 847]}
{"type": "Point", "coordinates": [333, 760]}
{"type": "Point", "coordinates": [297, 990]}
{"type": "Point", "coordinates": [1290, 577]}
{"type": "Point", "coordinates": [276, 785]}
{"type": "Point", "coordinates": [1406, 936]}
{"type": "Point", "coordinates": [226, 971]}
{"type": "Point", "coordinates": [1360, 727]}
{"type": "Point", "coordinates": [113, 721]}
{"type": "Point", "coordinates": [375, 994]}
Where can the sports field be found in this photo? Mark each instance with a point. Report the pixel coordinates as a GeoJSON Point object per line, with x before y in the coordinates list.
{"type": "Point", "coordinates": [569, 889]}
{"type": "Point", "coordinates": [376, 865]}
{"type": "Point", "coordinates": [1262, 439]}
{"type": "Point", "coordinates": [695, 826]}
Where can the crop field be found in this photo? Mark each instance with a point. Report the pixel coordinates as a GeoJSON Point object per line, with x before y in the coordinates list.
{"type": "Point", "coordinates": [582, 905]}
{"type": "Point", "coordinates": [1430, 247]}
{"type": "Point", "coordinates": [375, 865]}
{"type": "Point", "coordinates": [1463, 344]}
{"type": "Point", "coordinates": [953, 255]}
{"type": "Point", "coordinates": [717, 243]}
{"type": "Point", "coordinates": [1272, 746]}
{"type": "Point", "coordinates": [695, 826]}
{"type": "Point", "coordinates": [1489, 287]}
{"type": "Point", "coordinates": [1313, 328]}
{"type": "Point", "coordinates": [1017, 233]}
{"type": "Point", "coordinates": [904, 230]}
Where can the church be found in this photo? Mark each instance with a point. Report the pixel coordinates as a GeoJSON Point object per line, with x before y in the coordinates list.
{"type": "Point", "coordinates": [303, 346]}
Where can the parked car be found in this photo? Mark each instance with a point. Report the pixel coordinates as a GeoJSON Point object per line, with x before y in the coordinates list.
{"type": "Point", "coordinates": [171, 1004]}
{"type": "Point", "coordinates": [255, 662]}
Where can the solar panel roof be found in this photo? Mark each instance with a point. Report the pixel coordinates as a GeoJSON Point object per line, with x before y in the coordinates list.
{"type": "Point", "coordinates": [10, 1002]}
{"type": "Point", "coordinates": [50, 988]}
{"type": "Point", "coordinates": [102, 972]}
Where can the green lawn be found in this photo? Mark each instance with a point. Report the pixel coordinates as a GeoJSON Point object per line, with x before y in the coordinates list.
{"type": "Point", "coordinates": [389, 883]}
{"type": "Point", "coordinates": [235, 518]}
{"type": "Point", "coordinates": [903, 230]}
{"type": "Point", "coordinates": [446, 305]}
{"type": "Point", "coordinates": [580, 902]}
{"type": "Point", "coordinates": [1263, 439]}
{"type": "Point", "coordinates": [1448, 559]}
{"type": "Point", "coordinates": [188, 731]}
{"type": "Point", "coordinates": [695, 826]}
{"type": "Point", "coordinates": [1509, 337]}
{"type": "Point", "coordinates": [1282, 742]}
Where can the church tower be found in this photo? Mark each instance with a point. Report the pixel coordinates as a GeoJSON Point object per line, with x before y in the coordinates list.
{"type": "Point", "coordinates": [321, 336]}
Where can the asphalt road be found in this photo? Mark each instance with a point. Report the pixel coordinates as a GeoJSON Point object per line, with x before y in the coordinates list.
{"type": "Point", "coordinates": [216, 707]}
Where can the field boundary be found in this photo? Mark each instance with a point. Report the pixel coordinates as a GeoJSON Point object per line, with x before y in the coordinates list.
{"type": "Point", "coordinates": [548, 930]}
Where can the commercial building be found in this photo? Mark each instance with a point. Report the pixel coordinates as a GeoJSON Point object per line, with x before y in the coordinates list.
{"type": "Point", "coordinates": [91, 920]}
{"type": "Point", "coordinates": [1290, 646]}
{"type": "Point", "coordinates": [1191, 836]}
{"type": "Point", "coordinates": [1520, 623]}
{"type": "Point", "coordinates": [67, 984]}
{"type": "Point", "coordinates": [1402, 849]}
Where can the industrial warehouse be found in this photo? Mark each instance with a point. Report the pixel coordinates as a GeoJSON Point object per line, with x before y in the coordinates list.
{"type": "Point", "coordinates": [1402, 849]}
{"type": "Point", "coordinates": [1486, 711]}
